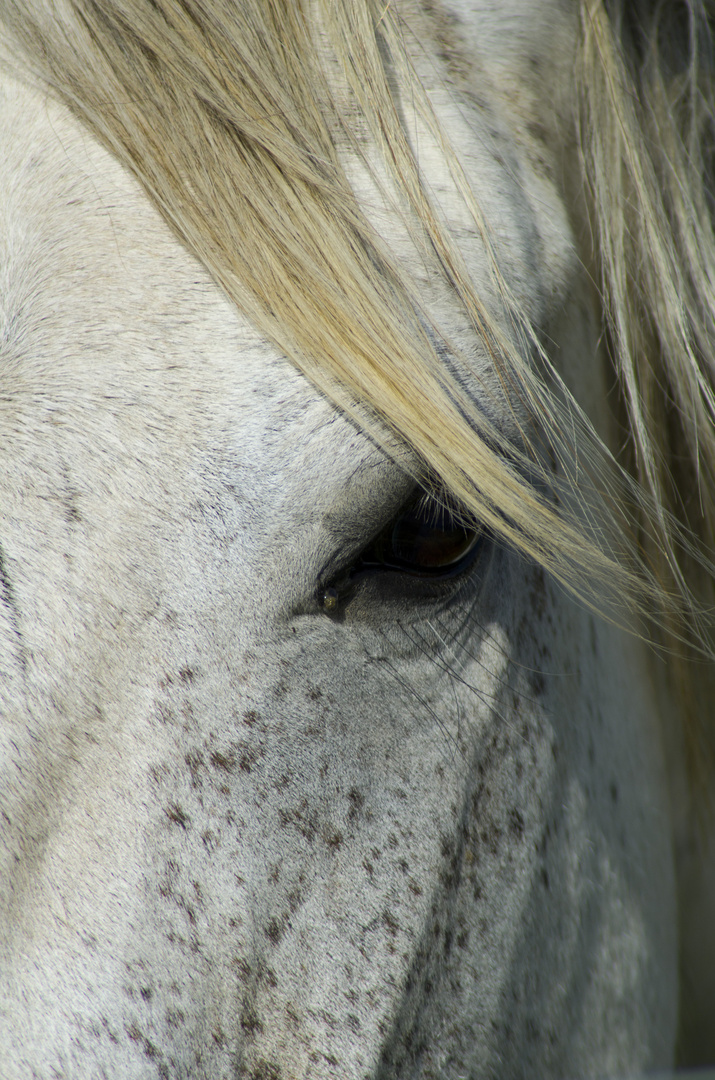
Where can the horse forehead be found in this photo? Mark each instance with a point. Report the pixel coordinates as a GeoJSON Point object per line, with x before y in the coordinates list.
{"type": "Point", "coordinates": [108, 322]}
{"type": "Point", "coordinates": [509, 30]}
{"type": "Point", "coordinates": [88, 256]}
{"type": "Point", "coordinates": [85, 193]}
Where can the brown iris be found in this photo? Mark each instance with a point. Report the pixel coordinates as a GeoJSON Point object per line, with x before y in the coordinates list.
{"type": "Point", "coordinates": [430, 538]}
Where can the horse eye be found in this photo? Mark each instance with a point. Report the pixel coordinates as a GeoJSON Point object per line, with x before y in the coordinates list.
{"type": "Point", "coordinates": [428, 539]}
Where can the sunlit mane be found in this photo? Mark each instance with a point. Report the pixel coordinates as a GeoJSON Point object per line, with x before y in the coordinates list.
{"type": "Point", "coordinates": [225, 114]}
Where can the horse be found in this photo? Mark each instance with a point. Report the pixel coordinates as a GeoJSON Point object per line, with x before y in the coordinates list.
{"type": "Point", "coordinates": [357, 497]}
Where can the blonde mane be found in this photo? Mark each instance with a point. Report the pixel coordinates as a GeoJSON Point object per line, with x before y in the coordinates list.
{"type": "Point", "coordinates": [224, 112]}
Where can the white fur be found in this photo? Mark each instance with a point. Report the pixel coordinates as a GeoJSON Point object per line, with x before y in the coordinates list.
{"type": "Point", "coordinates": [429, 837]}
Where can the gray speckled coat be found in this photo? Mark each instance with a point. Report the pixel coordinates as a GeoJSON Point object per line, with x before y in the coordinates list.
{"type": "Point", "coordinates": [424, 835]}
